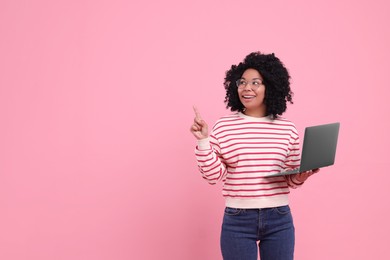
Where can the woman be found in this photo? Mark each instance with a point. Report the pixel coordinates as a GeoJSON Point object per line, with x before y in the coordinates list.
{"type": "Point", "coordinates": [243, 150]}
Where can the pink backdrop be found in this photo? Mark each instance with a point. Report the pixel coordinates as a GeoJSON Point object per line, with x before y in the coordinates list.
{"type": "Point", "coordinates": [96, 158]}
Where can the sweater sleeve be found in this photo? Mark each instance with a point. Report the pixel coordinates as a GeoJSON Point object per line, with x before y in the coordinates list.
{"type": "Point", "coordinates": [293, 161]}
{"type": "Point", "coordinates": [209, 160]}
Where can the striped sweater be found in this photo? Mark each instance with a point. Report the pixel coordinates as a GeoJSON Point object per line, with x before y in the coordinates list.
{"type": "Point", "coordinates": [242, 152]}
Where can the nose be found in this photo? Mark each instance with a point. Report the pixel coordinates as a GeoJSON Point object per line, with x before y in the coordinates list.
{"type": "Point", "coordinates": [248, 86]}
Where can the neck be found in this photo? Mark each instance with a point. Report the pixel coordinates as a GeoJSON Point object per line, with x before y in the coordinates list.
{"type": "Point", "coordinates": [255, 112]}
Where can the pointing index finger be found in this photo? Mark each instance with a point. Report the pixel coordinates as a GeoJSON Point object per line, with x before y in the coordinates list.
{"type": "Point", "coordinates": [197, 114]}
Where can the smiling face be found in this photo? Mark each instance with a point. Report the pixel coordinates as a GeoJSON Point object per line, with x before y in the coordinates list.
{"type": "Point", "coordinates": [251, 93]}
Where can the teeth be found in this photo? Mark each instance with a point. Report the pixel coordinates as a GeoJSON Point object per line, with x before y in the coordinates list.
{"type": "Point", "coordinates": [248, 96]}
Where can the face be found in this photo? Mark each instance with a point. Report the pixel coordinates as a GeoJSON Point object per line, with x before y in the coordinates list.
{"type": "Point", "coordinates": [251, 92]}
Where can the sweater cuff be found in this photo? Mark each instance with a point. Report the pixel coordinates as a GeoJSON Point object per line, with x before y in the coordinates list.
{"type": "Point", "coordinates": [204, 144]}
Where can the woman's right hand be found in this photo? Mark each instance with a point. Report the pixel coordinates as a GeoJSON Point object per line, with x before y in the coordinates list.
{"type": "Point", "coordinates": [199, 128]}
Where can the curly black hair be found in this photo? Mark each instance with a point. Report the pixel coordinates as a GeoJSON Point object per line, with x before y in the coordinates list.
{"type": "Point", "coordinates": [275, 78]}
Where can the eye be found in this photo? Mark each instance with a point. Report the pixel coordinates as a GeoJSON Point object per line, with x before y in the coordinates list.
{"type": "Point", "coordinates": [242, 82]}
{"type": "Point", "coordinates": [256, 83]}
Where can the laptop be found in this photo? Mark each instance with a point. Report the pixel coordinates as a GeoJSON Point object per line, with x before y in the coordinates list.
{"type": "Point", "coordinates": [319, 148]}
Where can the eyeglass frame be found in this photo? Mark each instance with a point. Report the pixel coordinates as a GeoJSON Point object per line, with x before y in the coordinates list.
{"type": "Point", "coordinates": [253, 87]}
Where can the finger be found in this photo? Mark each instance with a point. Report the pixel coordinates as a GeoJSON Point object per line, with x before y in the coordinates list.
{"type": "Point", "coordinates": [197, 114]}
{"type": "Point", "coordinates": [194, 129]}
{"type": "Point", "coordinates": [303, 174]}
{"type": "Point", "coordinates": [316, 170]}
{"type": "Point", "coordinates": [196, 125]}
{"type": "Point", "coordinates": [306, 174]}
{"type": "Point", "coordinates": [199, 121]}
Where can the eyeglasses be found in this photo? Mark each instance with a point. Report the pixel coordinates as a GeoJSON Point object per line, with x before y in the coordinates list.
{"type": "Point", "coordinates": [254, 84]}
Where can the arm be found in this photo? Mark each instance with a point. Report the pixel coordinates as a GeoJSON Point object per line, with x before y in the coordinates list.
{"type": "Point", "coordinates": [293, 160]}
{"type": "Point", "coordinates": [209, 162]}
{"type": "Point", "coordinates": [207, 151]}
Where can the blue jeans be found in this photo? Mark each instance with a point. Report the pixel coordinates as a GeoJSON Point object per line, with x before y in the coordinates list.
{"type": "Point", "coordinates": [243, 228]}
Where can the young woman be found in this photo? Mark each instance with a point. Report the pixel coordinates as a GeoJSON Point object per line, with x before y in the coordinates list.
{"type": "Point", "coordinates": [243, 150]}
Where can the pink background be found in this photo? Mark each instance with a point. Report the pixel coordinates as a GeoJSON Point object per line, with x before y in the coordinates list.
{"type": "Point", "coordinates": [96, 157]}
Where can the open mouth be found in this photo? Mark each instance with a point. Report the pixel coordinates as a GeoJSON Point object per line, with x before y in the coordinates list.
{"type": "Point", "coordinates": [248, 97]}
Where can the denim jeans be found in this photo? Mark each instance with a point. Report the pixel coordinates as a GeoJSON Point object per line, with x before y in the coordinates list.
{"type": "Point", "coordinates": [273, 228]}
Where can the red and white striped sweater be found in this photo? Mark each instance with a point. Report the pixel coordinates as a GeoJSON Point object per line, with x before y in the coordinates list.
{"type": "Point", "coordinates": [242, 152]}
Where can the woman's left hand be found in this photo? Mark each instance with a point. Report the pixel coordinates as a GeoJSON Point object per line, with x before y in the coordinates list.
{"type": "Point", "coordinates": [302, 177]}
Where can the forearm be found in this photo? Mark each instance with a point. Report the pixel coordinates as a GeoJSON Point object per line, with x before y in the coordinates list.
{"type": "Point", "coordinates": [210, 165]}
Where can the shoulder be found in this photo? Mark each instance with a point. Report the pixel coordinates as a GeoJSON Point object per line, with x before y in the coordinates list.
{"type": "Point", "coordinates": [228, 120]}
{"type": "Point", "coordinates": [286, 124]}
{"type": "Point", "coordinates": [283, 121]}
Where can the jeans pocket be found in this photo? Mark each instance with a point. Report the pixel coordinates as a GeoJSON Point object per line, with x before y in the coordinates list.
{"type": "Point", "coordinates": [232, 211]}
{"type": "Point", "coordinates": [282, 210]}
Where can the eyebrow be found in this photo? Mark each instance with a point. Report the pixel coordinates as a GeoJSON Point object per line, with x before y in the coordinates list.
{"type": "Point", "coordinates": [252, 79]}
